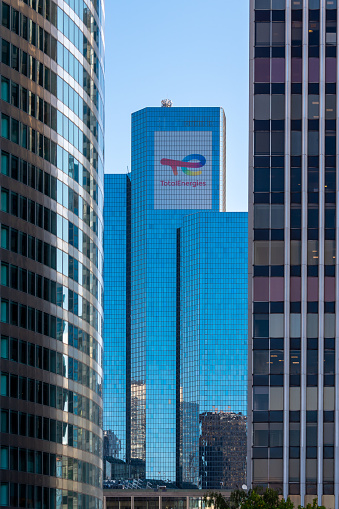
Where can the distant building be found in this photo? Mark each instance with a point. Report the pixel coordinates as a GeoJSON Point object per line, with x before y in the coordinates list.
{"type": "Point", "coordinates": [117, 310]}
{"type": "Point", "coordinates": [222, 459]}
{"type": "Point", "coordinates": [112, 445]}
{"type": "Point", "coordinates": [175, 301]}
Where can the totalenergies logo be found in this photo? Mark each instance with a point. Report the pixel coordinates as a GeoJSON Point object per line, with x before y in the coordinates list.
{"type": "Point", "coordinates": [185, 164]}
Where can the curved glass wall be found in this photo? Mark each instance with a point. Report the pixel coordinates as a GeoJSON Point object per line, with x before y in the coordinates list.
{"type": "Point", "coordinates": [51, 254]}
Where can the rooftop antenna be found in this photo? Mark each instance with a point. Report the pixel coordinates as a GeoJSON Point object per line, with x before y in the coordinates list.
{"type": "Point", "coordinates": [166, 103]}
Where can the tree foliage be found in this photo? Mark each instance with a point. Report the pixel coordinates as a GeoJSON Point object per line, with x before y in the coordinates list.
{"type": "Point", "coordinates": [257, 498]}
{"type": "Point", "coordinates": [313, 506]}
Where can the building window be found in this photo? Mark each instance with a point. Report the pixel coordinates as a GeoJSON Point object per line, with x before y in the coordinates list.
{"type": "Point", "coordinates": [4, 494]}
{"type": "Point", "coordinates": [5, 126]}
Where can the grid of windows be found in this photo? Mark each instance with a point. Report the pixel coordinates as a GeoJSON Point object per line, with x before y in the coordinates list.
{"type": "Point", "coordinates": [51, 430]}
{"type": "Point", "coordinates": [153, 234]}
{"type": "Point", "coordinates": [160, 134]}
{"type": "Point", "coordinates": [31, 496]}
{"type": "Point", "coordinates": [51, 182]}
{"type": "Point", "coordinates": [213, 360]}
{"type": "Point", "coordinates": [294, 220]}
{"type": "Point", "coordinates": [50, 360]}
{"type": "Point", "coordinates": [42, 181]}
{"type": "Point", "coordinates": [117, 323]}
{"type": "Point", "coordinates": [30, 31]}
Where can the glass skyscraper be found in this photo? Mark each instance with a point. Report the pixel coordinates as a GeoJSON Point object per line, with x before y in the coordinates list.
{"type": "Point", "coordinates": [51, 252]}
{"type": "Point", "coordinates": [168, 429]}
{"type": "Point", "coordinates": [162, 193]}
{"type": "Point", "coordinates": [213, 360]}
{"type": "Point", "coordinates": [293, 243]}
{"type": "Point", "coordinates": [117, 218]}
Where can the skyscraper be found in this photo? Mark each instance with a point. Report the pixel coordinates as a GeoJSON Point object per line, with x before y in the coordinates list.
{"type": "Point", "coordinates": [117, 218]}
{"type": "Point", "coordinates": [293, 290]}
{"type": "Point", "coordinates": [163, 193]}
{"type": "Point", "coordinates": [213, 361]}
{"type": "Point", "coordinates": [171, 343]}
{"type": "Point", "coordinates": [52, 152]}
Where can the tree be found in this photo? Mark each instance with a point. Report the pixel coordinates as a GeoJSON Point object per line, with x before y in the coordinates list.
{"type": "Point", "coordinates": [256, 498]}
{"type": "Point", "coordinates": [313, 506]}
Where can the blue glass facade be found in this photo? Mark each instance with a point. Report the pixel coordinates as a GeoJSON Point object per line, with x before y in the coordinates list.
{"type": "Point", "coordinates": [213, 357]}
{"type": "Point", "coordinates": [177, 183]}
{"type": "Point", "coordinates": [116, 305]}
{"type": "Point", "coordinates": [157, 212]}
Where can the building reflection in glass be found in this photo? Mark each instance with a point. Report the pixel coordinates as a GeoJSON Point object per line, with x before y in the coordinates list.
{"type": "Point", "coordinates": [175, 306]}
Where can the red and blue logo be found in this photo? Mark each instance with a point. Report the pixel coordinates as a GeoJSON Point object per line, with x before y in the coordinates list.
{"type": "Point", "coordinates": [185, 164]}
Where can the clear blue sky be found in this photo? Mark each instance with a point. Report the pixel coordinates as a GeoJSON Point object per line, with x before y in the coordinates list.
{"type": "Point", "coordinates": [194, 52]}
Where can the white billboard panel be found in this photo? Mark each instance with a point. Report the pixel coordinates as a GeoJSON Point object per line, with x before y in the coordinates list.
{"type": "Point", "coordinates": [183, 170]}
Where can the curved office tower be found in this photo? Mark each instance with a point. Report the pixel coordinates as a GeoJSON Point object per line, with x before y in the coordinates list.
{"type": "Point", "coordinates": [52, 150]}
